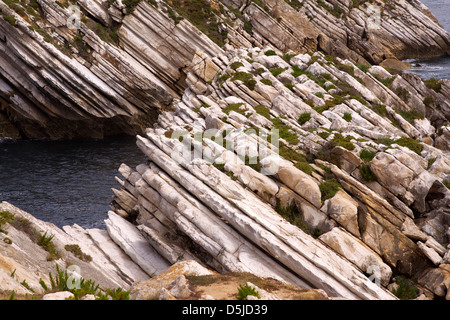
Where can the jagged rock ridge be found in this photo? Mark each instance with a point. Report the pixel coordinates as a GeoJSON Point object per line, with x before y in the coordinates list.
{"type": "Point", "coordinates": [360, 191]}
{"type": "Point", "coordinates": [336, 134]}
{"type": "Point", "coordinates": [125, 64]}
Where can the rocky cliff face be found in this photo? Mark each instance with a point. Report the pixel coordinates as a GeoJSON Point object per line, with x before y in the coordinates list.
{"type": "Point", "coordinates": [268, 156]}
{"type": "Point", "coordinates": [101, 68]}
{"type": "Point", "coordinates": [354, 190]}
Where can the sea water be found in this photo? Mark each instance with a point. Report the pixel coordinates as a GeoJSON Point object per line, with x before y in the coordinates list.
{"type": "Point", "coordinates": [435, 68]}
{"type": "Point", "coordinates": [65, 182]}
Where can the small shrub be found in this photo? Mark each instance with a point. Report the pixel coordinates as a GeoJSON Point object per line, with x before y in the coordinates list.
{"type": "Point", "coordinates": [385, 81]}
{"type": "Point", "coordinates": [433, 84]}
{"type": "Point", "coordinates": [296, 71]}
{"type": "Point", "coordinates": [48, 245]}
{"type": "Point", "coordinates": [328, 188]}
{"type": "Point", "coordinates": [430, 162]}
{"type": "Point", "coordinates": [344, 142]}
{"type": "Point", "coordinates": [270, 53]}
{"type": "Point", "coordinates": [410, 116]}
{"type": "Point", "coordinates": [428, 101]}
{"type": "Point", "coordinates": [366, 155]}
{"type": "Point", "coordinates": [410, 143]}
{"type": "Point", "coordinates": [319, 94]}
{"type": "Point", "coordinates": [267, 82]}
{"type": "Point", "coordinates": [403, 93]}
{"type": "Point", "coordinates": [380, 109]}
{"type": "Point", "coordinates": [223, 78]}
{"type": "Point", "coordinates": [262, 110]}
{"type": "Point", "coordinates": [10, 19]}
{"type": "Point", "coordinates": [114, 294]}
{"type": "Point", "coordinates": [236, 65]}
{"type": "Point", "coordinates": [5, 217]}
{"type": "Point", "coordinates": [362, 67]}
{"type": "Point", "coordinates": [349, 69]}
{"type": "Point", "coordinates": [289, 86]}
{"type": "Point", "coordinates": [285, 131]}
{"type": "Point", "coordinates": [26, 285]}
{"type": "Point", "coordinates": [246, 78]}
{"type": "Point", "coordinates": [291, 214]}
{"type": "Point", "coordinates": [304, 117]}
{"type": "Point", "coordinates": [304, 166]}
{"type": "Point", "coordinates": [276, 71]}
{"type": "Point", "coordinates": [244, 291]}
{"type": "Point", "coordinates": [405, 290]}
{"type": "Point", "coordinates": [324, 134]}
{"type": "Point", "coordinates": [446, 183]}
{"type": "Point", "coordinates": [76, 250]}
{"type": "Point", "coordinates": [289, 154]}
{"type": "Point", "coordinates": [347, 117]}
{"type": "Point", "coordinates": [367, 174]}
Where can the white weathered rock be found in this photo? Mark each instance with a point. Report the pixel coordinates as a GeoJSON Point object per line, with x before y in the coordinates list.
{"type": "Point", "coordinates": [62, 295]}
{"type": "Point", "coordinates": [410, 229]}
{"type": "Point", "coordinates": [359, 254]}
{"type": "Point", "coordinates": [430, 253]}
{"type": "Point", "coordinates": [135, 245]}
{"type": "Point", "coordinates": [344, 210]}
{"type": "Point", "coordinates": [301, 183]}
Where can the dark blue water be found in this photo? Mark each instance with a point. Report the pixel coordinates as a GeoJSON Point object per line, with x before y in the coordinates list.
{"type": "Point", "coordinates": [64, 182]}
{"type": "Point", "coordinates": [435, 68]}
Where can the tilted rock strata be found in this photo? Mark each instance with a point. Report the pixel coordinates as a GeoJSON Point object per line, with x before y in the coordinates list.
{"type": "Point", "coordinates": [367, 226]}
{"type": "Point", "coordinates": [23, 261]}
{"type": "Point", "coordinates": [124, 65]}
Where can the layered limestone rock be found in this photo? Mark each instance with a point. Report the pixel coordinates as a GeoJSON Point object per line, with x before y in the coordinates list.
{"type": "Point", "coordinates": [346, 197]}
{"type": "Point", "coordinates": [31, 251]}
{"type": "Point", "coordinates": [268, 156]}
{"type": "Point", "coordinates": [99, 68]}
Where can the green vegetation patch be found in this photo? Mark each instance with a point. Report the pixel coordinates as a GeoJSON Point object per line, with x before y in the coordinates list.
{"type": "Point", "coordinates": [244, 291]}
{"type": "Point", "coordinates": [270, 53]}
{"type": "Point", "coordinates": [262, 110]}
{"type": "Point", "coordinates": [276, 71]}
{"type": "Point", "coordinates": [236, 65]}
{"type": "Point", "coordinates": [434, 84]}
{"type": "Point", "coordinates": [285, 131]}
{"type": "Point", "coordinates": [236, 107]}
{"type": "Point", "coordinates": [405, 290]}
{"type": "Point", "coordinates": [303, 118]}
{"type": "Point", "coordinates": [410, 143]}
{"type": "Point", "coordinates": [410, 116]}
{"type": "Point", "coordinates": [367, 173]}
{"type": "Point", "coordinates": [366, 155]}
{"type": "Point", "coordinates": [76, 250]}
{"type": "Point", "coordinates": [10, 19]}
{"type": "Point", "coordinates": [328, 188]}
{"type": "Point", "coordinates": [293, 216]}
{"type": "Point", "coordinates": [267, 82]}
{"type": "Point", "coordinates": [344, 142]}
{"type": "Point", "coordinates": [203, 16]}
{"type": "Point", "coordinates": [347, 117]}
{"type": "Point", "coordinates": [246, 78]}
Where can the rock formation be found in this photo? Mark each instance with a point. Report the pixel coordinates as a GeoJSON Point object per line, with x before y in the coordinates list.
{"type": "Point", "coordinates": [284, 153]}
{"type": "Point", "coordinates": [86, 70]}
{"type": "Point", "coordinates": [200, 183]}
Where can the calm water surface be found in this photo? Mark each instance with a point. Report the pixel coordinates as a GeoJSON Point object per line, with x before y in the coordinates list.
{"type": "Point", "coordinates": [64, 182]}
{"type": "Point", "coordinates": [435, 68]}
